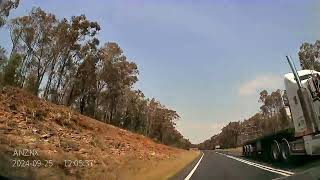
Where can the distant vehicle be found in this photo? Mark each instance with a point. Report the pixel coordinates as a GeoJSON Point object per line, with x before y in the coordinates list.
{"type": "Point", "coordinates": [303, 138]}
{"type": "Point", "coordinates": [217, 147]}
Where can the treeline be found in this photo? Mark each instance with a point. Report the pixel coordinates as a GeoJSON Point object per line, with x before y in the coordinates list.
{"type": "Point", "coordinates": [272, 116]}
{"type": "Point", "coordinates": [61, 61]}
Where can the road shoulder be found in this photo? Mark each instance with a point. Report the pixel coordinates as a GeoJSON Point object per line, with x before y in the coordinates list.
{"type": "Point", "coordinates": [186, 170]}
{"type": "Point", "coordinates": [163, 169]}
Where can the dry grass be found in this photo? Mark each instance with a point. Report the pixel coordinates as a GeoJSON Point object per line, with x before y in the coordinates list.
{"type": "Point", "coordinates": [233, 151]}
{"type": "Point", "coordinates": [158, 170]}
{"type": "Point", "coordinates": [58, 133]}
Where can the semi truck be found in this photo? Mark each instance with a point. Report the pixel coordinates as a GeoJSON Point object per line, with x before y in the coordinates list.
{"type": "Point", "coordinates": [303, 137]}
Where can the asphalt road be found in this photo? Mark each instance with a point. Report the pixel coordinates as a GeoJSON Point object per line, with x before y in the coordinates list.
{"type": "Point", "coordinates": [217, 166]}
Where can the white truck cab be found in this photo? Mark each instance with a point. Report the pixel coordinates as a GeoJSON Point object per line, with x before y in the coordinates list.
{"type": "Point", "coordinates": [305, 115]}
{"type": "Point", "coordinates": [294, 101]}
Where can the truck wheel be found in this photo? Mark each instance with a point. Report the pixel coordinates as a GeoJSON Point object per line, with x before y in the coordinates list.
{"type": "Point", "coordinates": [250, 150]}
{"type": "Point", "coordinates": [285, 150]}
{"type": "Point", "coordinates": [275, 151]}
{"type": "Point", "coordinates": [245, 150]}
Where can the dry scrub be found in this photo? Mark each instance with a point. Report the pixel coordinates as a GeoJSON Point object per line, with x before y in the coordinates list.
{"type": "Point", "coordinates": [58, 133]}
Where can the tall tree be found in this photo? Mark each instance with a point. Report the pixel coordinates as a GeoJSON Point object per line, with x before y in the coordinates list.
{"type": "Point", "coordinates": [36, 34]}
{"type": "Point", "coordinates": [78, 32]}
{"type": "Point", "coordinates": [85, 80]}
{"type": "Point", "coordinates": [118, 74]}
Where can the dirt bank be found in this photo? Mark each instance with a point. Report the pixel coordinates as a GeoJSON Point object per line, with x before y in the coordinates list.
{"type": "Point", "coordinates": [67, 145]}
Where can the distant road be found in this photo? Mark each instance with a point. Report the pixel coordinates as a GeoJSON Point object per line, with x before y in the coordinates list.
{"type": "Point", "coordinates": [219, 166]}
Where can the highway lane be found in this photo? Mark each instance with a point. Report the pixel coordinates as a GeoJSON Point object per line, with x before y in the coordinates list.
{"type": "Point", "coordinates": [217, 166]}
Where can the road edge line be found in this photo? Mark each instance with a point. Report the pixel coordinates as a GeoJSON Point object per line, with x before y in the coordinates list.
{"type": "Point", "coordinates": [260, 166]}
{"type": "Point", "coordinates": [194, 168]}
{"type": "Point", "coordinates": [264, 166]}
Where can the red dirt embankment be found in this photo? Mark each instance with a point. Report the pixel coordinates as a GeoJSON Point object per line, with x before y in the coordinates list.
{"type": "Point", "coordinates": [69, 145]}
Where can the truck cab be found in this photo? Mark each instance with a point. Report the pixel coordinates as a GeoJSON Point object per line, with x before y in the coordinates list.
{"type": "Point", "coordinates": [305, 110]}
{"type": "Point", "coordinates": [294, 101]}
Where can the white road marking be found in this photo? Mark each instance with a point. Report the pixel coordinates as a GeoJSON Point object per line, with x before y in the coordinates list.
{"type": "Point", "coordinates": [267, 168]}
{"type": "Point", "coordinates": [195, 167]}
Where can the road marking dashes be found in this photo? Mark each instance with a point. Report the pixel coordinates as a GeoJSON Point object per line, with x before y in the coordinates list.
{"type": "Point", "coordinates": [195, 167]}
{"type": "Point", "coordinates": [267, 168]}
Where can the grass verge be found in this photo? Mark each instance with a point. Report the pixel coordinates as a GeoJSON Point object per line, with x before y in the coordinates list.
{"type": "Point", "coordinates": [158, 170]}
{"type": "Point", "coordinates": [233, 151]}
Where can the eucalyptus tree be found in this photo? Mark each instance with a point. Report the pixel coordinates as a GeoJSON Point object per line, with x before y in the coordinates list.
{"type": "Point", "coordinates": [5, 7]}
{"type": "Point", "coordinates": [34, 32]}
{"type": "Point", "coordinates": [309, 55]}
{"type": "Point", "coordinates": [117, 75]}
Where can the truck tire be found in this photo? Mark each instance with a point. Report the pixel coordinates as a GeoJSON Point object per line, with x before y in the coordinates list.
{"type": "Point", "coordinates": [285, 151]}
{"type": "Point", "coordinates": [247, 150]}
{"type": "Point", "coordinates": [250, 150]}
{"type": "Point", "coordinates": [275, 151]}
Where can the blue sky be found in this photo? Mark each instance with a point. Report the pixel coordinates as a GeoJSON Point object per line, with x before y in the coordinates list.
{"type": "Point", "coordinates": [206, 59]}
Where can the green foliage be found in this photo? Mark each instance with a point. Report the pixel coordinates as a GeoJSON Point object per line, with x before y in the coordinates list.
{"type": "Point", "coordinates": [309, 55]}
{"type": "Point", "coordinates": [11, 70]}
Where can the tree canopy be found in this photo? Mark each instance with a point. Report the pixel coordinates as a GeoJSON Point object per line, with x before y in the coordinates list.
{"type": "Point", "coordinates": [63, 61]}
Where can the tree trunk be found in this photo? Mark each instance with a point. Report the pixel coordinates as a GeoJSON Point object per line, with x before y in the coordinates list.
{"type": "Point", "coordinates": [60, 76]}
{"type": "Point", "coordinates": [82, 104]}
{"type": "Point", "coordinates": [48, 85]}
{"type": "Point", "coordinates": [69, 98]}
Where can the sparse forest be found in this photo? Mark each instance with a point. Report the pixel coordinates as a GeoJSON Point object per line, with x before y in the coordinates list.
{"type": "Point", "coordinates": [63, 61]}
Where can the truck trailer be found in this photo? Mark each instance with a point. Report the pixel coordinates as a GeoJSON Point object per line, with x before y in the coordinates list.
{"type": "Point", "coordinates": [303, 137]}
